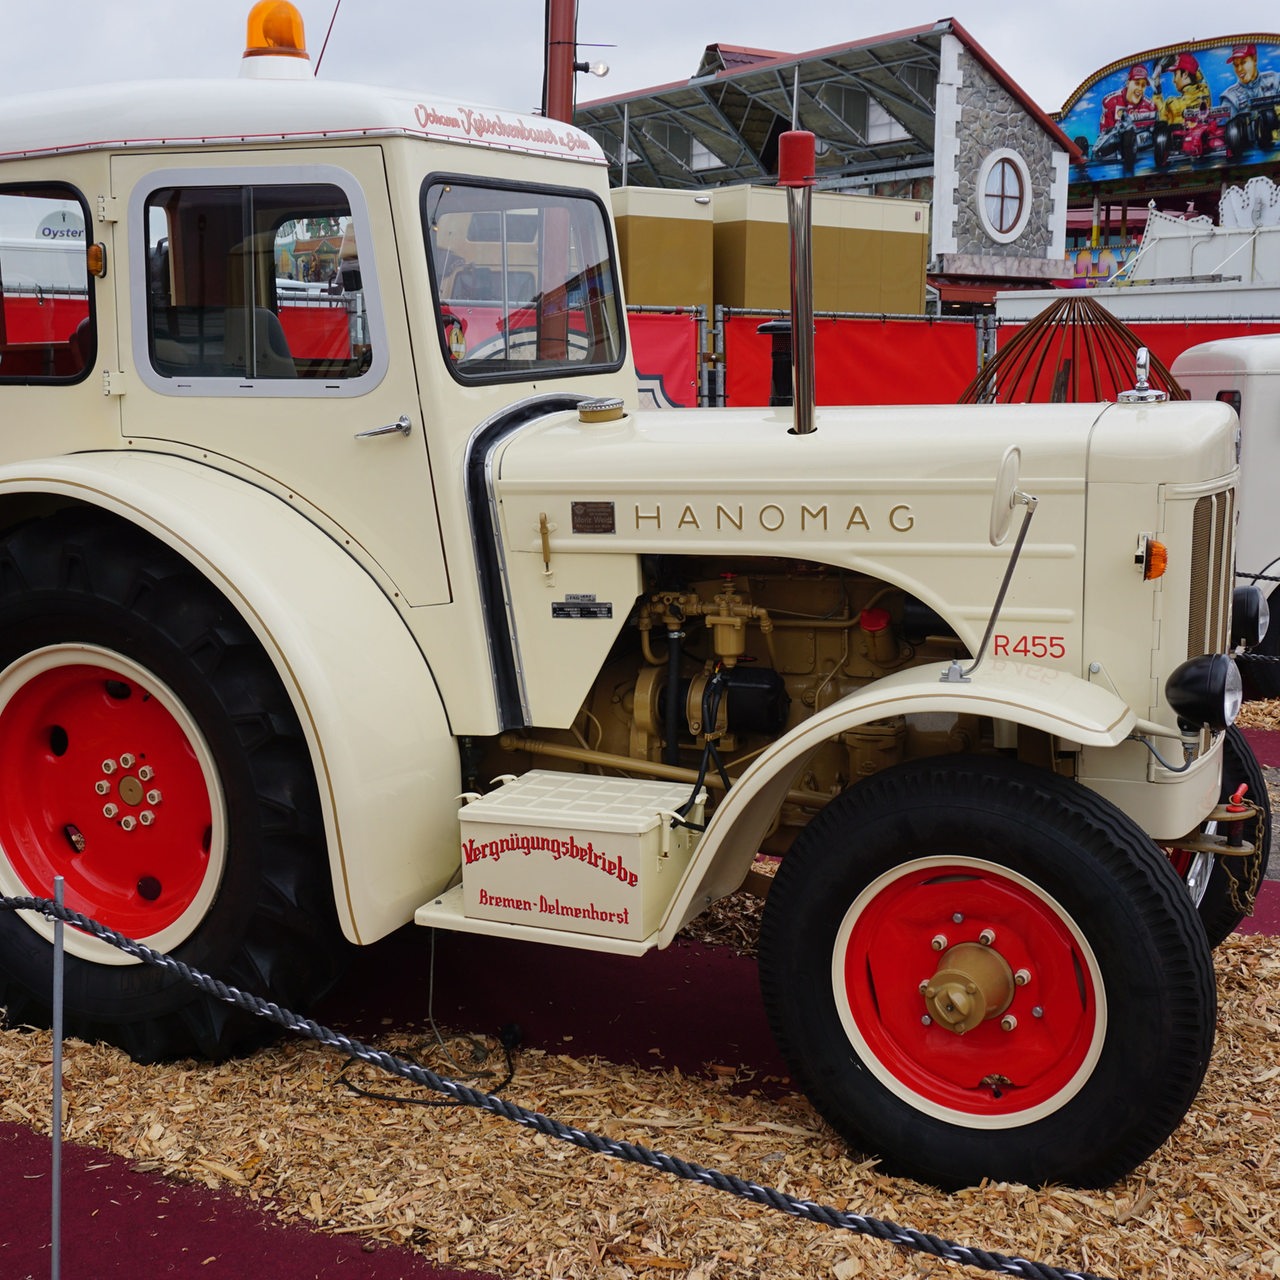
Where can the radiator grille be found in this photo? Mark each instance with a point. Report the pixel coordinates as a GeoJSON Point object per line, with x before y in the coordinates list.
{"type": "Point", "coordinates": [1211, 574]}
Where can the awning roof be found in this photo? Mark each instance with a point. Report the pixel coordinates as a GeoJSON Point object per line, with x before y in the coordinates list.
{"type": "Point", "coordinates": [959, 291]}
{"type": "Point", "coordinates": [740, 100]}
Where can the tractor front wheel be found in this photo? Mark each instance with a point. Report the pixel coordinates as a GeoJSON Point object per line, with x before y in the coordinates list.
{"type": "Point", "coordinates": [976, 969]}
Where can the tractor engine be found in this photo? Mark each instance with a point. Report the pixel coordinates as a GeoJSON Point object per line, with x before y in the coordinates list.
{"type": "Point", "coordinates": [719, 661]}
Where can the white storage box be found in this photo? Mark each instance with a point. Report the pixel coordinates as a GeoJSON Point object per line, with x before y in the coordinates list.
{"type": "Point", "coordinates": [575, 852]}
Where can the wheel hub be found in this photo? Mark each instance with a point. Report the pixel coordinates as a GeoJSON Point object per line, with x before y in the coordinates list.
{"type": "Point", "coordinates": [972, 983]}
{"type": "Point", "coordinates": [132, 789]}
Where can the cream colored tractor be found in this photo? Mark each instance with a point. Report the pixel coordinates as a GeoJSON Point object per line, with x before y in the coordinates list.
{"type": "Point", "coordinates": [343, 585]}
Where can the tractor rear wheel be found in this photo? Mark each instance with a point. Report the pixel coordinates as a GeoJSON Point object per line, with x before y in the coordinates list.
{"type": "Point", "coordinates": [154, 762]}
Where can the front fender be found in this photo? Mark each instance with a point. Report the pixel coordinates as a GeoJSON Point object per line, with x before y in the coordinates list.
{"type": "Point", "coordinates": [384, 758]}
{"type": "Point", "coordinates": [1056, 702]}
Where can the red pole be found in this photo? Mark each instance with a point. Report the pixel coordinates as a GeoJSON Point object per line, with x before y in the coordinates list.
{"type": "Point", "coordinates": [562, 52]}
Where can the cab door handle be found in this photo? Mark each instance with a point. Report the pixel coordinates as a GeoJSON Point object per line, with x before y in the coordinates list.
{"type": "Point", "coordinates": [402, 426]}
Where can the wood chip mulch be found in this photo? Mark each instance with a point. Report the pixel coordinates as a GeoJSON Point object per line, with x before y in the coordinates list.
{"type": "Point", "coordinates": [471, 1191]}
{"type": "Point", "coordinates": [1260, 715]}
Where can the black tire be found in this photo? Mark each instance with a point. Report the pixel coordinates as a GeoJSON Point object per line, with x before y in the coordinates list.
{"type": "Point", "coordinates": [1235, 135]}
{"type": "Point", "coordinates": [1129, 149]}
{"type": "Point", "coordinates": [1264, 124]}
{"type": "Point", "coordinates": [1260, 667]}
{"type": "Point", "coordinates": [226, 838]}
{"type": "Point", "coordinates": [1223, 888]}
{"type": "Point", "coordinates": [1098, 934]}
{"type": "Point", "coordinates": [1161, 140]}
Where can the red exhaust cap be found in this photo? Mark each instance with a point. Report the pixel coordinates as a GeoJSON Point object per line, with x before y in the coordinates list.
{"type": "Point", "coordinates": [796, 159]}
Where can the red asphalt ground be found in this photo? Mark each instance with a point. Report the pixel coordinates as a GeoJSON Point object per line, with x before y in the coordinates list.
{"type": "Point", "coordinates": [120, 1223]}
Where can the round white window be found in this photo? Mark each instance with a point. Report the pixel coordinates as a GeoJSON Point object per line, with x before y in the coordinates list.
{"type": "Point", "coordinates": [1004, 195]}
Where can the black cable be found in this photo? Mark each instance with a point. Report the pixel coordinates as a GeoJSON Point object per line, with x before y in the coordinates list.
{"type": "Point", "coordinates": [712, 696]}
{"type": "Point", "coordinates": [716, 691]}
{"type": "Point", "coordinates": [509, 1039]}
{"type": "Point", "coordinates": [629, 1152]}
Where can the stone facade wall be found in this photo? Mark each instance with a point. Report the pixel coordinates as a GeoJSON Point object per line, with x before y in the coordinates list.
{"type": "Point", "coordinates": [991, 119]}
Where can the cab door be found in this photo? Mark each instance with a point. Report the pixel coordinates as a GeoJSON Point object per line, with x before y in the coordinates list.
{"type": "Point", "coordinates": [268, 338]}
{"type": "Point", "coordinates": [57, 321]}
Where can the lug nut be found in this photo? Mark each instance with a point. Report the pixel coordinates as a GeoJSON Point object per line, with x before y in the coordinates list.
{"type": "Point", "coordinates": [146, 817]}
{"type": "Point", "coordinates": [1008, 1022]}
{"type": "Point", "coordinates": [110, 810]}
{"type": "Point", "coordinates": [102, 786]}
{"type": "Point", "coordinates": [1022, 977]}
{"type": "Point", "coordinates": [108, 766]}
{"type": "Point", "coordinates": [939, 942]}
{"type": "Point", "coordinates": [128, 822]}
{"type": "Point", "coordinates": [987, 937]}
{"type": "Point", "coordinates": [146, 773]}
{"type": "Point", "coordinates": [126, 760]}
{"type": "Point", "coordinates": [153, 796]}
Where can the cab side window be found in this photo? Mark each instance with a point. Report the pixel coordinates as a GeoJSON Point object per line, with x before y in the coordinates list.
{"type": "Point", "coordinates": [254, 283]}
{"type": "Point", "coordinates": [47, 331]}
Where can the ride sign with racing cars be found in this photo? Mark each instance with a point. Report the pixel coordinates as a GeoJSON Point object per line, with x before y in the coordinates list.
{"type": "Point", "coordinates": [1191, 106]}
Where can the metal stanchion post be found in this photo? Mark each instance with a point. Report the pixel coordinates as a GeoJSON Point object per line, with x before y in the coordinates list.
{"type": "Point", "coordinates": [55, 1226]}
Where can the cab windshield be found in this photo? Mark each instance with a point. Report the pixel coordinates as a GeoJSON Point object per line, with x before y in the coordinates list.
{"type": "Point", "coordinates": [524, 280]}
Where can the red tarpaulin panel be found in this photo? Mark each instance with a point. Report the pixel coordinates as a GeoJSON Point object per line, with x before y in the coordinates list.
{"type": "Point", "coordinates": [1168, 339]}
{"type": "Point", "coordinates": [868, 361]}
{"type": "Point", "coordinates": [860, 360]}
{"type": "Point", "coordinates": [317, 333]}
{"type": "Point", "coordinates": [50, 317]}
{"type": "Point", "coordinates": [665, 349]}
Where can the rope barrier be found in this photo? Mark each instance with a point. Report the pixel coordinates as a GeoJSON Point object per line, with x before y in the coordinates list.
{"type": "Point", "coordinates": [632, 1153]}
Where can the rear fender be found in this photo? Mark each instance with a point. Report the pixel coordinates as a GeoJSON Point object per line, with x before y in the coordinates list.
{"type": "Point", "coordinates": [385, 762]}
{"type": "Point", "coordinates": [1056, 702]}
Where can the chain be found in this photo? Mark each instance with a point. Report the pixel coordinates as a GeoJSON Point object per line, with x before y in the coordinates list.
{"type": "Point", "coordinates": [1253, 878]}
{"type": "Point", "coordinates": [769, 1197]}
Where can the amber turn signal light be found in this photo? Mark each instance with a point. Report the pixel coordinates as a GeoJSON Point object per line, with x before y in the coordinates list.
{"type": "Point", "coordinates": [1152, 556]}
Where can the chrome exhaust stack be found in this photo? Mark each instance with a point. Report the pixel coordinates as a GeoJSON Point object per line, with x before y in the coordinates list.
{"type": "Point", "coordinates": [796, 172]}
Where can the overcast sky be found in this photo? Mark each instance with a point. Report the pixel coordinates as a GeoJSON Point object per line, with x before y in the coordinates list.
{"type": "Point", "coordinates": [490, 51]}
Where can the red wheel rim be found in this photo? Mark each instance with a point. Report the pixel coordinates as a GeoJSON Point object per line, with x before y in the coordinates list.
{"type": "Point", "coordinates": [108, 784]}
{"type": "Point", "coordinates": [1007, 1070]}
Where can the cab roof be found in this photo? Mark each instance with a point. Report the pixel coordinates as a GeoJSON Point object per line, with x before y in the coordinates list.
{"type": "Point", "coordinates": [186, 113]}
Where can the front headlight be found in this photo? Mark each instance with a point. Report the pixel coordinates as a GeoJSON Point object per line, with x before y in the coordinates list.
{"type": "Point", "coordinates": [1250, 617]}
{"type": "Point", "coordinates": [1205, 692]}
